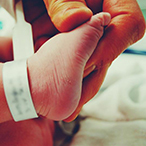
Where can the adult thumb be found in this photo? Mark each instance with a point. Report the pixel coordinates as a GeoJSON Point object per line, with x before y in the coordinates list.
{"type": "Point", "coordinates": [68, 14]}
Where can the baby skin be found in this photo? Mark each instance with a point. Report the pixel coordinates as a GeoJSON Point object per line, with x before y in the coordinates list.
{"type": "Point", "coordinates": [56, 73]}
{"type": "Point", "coordinates": [56, 70]}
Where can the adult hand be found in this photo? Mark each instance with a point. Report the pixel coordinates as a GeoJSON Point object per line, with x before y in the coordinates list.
{"type": "Point", "coordinates": [126, 27]}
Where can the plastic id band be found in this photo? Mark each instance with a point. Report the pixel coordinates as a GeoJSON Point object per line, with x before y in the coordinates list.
{"type": "Point", "coordinates": [17, 92]}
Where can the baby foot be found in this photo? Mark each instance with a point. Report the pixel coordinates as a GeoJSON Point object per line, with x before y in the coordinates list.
{"type": "Point", "coordinates": [56, 70]}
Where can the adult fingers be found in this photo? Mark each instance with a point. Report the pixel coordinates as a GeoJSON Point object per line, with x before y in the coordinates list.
{"type": "Point", "coordinates": [68, 14]}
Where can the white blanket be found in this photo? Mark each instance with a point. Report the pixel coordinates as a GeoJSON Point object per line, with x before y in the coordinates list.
{"type": "Point", "coordinates": [117, 114]}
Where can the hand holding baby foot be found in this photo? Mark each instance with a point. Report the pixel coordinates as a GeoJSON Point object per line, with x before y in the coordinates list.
{"type": "Point", "coordinates": [56, 70]}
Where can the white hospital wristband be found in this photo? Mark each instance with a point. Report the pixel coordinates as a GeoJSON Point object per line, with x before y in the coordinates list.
{"type": "Point", "coordinates": [17, 92]}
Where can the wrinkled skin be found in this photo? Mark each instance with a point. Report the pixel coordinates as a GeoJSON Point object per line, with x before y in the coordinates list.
{"type": "Point", "coordinates": [126, 27]}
